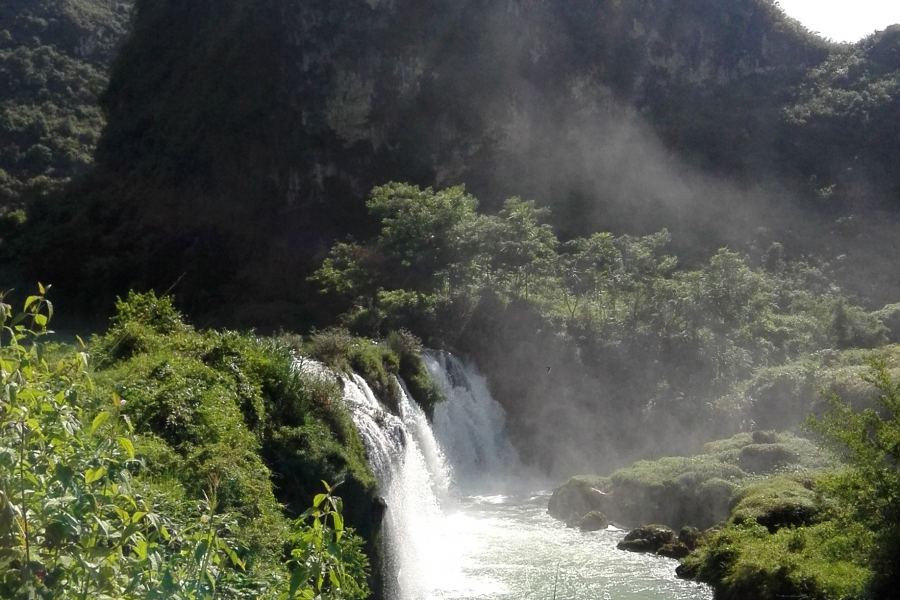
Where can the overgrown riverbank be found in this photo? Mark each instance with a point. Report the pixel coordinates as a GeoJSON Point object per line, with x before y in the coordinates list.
{"type": "Point", "coordinates": [782, 517]}
{"type": "Point", "coordinates": [185, 455]}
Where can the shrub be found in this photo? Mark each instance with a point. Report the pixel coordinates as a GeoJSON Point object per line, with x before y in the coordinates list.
{"type": "Point", "coordinates": [869, 490]}
{"type": "Point", "coordinates": [419, 382]}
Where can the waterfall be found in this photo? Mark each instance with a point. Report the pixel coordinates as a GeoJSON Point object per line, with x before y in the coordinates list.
{"type": "Point", "coordinates": [471, 427]}
{"type": "Point", "coordinates": [418, 467]}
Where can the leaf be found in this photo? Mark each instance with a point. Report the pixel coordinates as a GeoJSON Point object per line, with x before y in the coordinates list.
{"type": "Point", "coordinates": [124, 516]}
{"type": "Point", "coordinates": [41, 288]}
{"type": "Point", "coordinates": [200, 550]}
{"type": "Point", "coordinates": [31, 300]}
{"type": "Point", "coordinates": [338, 524]}
{"type": "Point", "coordinates": [235, 560]}
{"type": "Point", "coordinates": [298, 578]}
{"type": "Point", "coordinates": [40, 320]}
{"type": "Point", "coordinates": [141, 549]}
{"type": "Point", "coordinates": [93, 475]}
{"type": "Point", "coordinates": [127, 446]}
{"type": "Point", "coordinates": [98, 421]}
{"type": "Point", "coordinates": [319, 499]}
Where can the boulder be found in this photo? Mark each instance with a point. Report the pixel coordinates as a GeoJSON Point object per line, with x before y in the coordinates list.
{"type": "Point", "coordinates": [647, 538]}
{"type": "Point", "coordinates": [674, 550]}
{"type": "Point", "coordinates": [593, 521]}
{"type": "Point", "coordinates": [578, 496]}
{"type": "Point", "coordinates": [690, 537]}
{"type": "Point", "coordinates": [777, 503]}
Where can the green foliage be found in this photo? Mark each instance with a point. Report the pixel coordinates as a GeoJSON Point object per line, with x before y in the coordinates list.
{"type": "Point", "coordinates": [318, 565]}
{"type": "Point", "coordinates": [598, 305]}
{"type": "Point", "coordinates": [423, 388]}
{"type": "Point", "coordinates": [777, 503]}
{"type": "Point", "coordinates": [746, 561]}
{"type": "Point", "coordinates": [53, 60]}
{"type": "Point", "coordinates": [71, 516]}
{"type": "Point", "coordinates": [379, 363]}
{"type": "Point", "coordinates": [836, 537]}
{"type": "Point", "coordinates": [869, 490]}
{"type": "Point", "coordinates": [182, 509]}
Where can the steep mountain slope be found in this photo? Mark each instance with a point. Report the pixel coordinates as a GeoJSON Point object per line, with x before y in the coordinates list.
{"type": "Point", "coordinates": [244, 136]}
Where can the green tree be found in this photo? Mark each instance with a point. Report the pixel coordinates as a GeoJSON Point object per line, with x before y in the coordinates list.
{"type": "Point", "coordinates": [869, 490]}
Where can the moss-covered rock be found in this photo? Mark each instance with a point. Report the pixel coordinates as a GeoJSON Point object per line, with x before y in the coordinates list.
{"type": "Point", "coordinates": [579, 496]}
{"type": "Point", "coordinates": [674, 550]}
{"type": "Point", "coordinates": [648, 538]}
{"type": "Point", "coordinates": [776, 503]}
{"type": "Point", "coordinates": [825, 561]}
{"type": "Point", "coordinates": [593, 521]}
{"type": "Point", "coordinates": [697, 491]}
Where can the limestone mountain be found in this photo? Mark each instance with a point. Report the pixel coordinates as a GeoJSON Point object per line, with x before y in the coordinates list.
{"type": "Point", "coordinates": [243, 137]}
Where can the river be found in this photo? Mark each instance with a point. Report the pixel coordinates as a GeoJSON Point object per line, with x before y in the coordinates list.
{"type": "Point", "coordinates": [507, 547]}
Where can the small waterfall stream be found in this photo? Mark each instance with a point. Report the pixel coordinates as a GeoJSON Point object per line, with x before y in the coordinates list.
{"type": "Point", "coordinates": [463, 521]}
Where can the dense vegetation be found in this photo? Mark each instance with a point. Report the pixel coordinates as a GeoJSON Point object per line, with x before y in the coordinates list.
{"type": "Point", "coordinates": [220, 149]}
{"type": "Point", "coordinates": [54, 58]}
{"type": "Point", "coordinates": [638, 348]}
{"type": "Point", "coordinates": [172, 463]}
{"type": "Point", "coordinates": [848, 548]}
{"type": "Point", "coordinates": [784, 518]}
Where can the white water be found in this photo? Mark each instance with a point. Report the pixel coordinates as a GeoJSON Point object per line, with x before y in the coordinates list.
{"type": "Point", "coordinates": [460, 522]}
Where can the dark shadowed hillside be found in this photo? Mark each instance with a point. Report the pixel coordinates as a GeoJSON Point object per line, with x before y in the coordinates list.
{"type": "Point", "coordinates": [243, 136]}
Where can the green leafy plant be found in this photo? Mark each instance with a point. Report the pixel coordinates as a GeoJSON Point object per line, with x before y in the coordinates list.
{"type": "Point", "coordinates": [318, 566]}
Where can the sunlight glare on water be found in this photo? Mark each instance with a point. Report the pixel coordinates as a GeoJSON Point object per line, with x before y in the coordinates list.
{"type": "Point", "coordinates": [511, 549]}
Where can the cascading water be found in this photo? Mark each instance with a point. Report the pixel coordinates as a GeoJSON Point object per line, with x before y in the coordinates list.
{"type": "Point", "coordinates": [471, 427]}
{"type": "Point", "coordinates": [414, 479]}
{"type": "Point", "coordinates": [455, 529]}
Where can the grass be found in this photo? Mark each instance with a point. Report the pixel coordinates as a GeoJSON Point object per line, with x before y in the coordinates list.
{"type": "Point", "coordinates": [824, 561]}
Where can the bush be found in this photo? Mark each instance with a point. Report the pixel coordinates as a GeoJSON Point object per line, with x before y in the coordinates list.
{"type": "Point", "coordinates": [419, 382]}
{"type": "Point", "coordinates": [746, 561]}
{"type": "Point", "coordinates": [869, 490]}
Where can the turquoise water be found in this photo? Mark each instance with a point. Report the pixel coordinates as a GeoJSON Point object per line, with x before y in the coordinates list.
{"type": "Point", "coordinates": [508, 547]}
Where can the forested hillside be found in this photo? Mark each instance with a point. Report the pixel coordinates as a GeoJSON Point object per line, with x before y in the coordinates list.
{"type": "Point", "coordinates": [54, 59]}
{"type": "Point", "coordinates": [244, 137]}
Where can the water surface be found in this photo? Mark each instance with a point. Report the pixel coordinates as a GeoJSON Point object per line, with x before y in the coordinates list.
{"type": "Point", "coordinates": [508, 547]}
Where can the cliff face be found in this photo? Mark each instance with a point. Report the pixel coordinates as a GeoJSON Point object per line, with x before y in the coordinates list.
{"type": "Point", "coordinates": [255, 129]}
{"type": "Point", "coordinates": [341, 95]}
